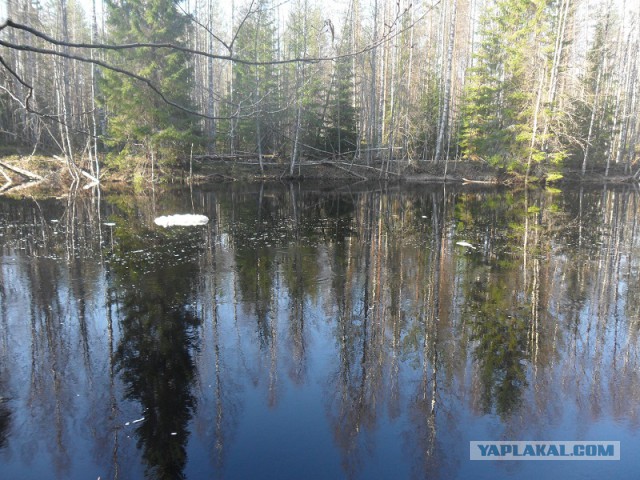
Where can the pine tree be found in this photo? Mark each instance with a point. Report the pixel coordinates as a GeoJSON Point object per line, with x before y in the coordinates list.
{"type": "Point", "coordinates": [139, 120]}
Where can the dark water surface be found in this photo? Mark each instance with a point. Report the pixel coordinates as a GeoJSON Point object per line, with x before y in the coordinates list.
{"type": "Point", "coordinates": [318, 334]}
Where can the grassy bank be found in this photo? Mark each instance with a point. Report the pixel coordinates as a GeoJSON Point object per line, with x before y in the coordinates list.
{"type": "Point", "coordinates": [46, 176]}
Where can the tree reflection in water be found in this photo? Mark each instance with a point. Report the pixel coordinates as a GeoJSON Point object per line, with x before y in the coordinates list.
{"type": "Point", "coordinates": [159, 337]}
{"type": "Point", "coordinates": [350, 326]}
{"type": "Point", "coordinates": [5, 418]}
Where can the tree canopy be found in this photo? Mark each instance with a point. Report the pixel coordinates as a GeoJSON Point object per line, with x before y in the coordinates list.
{"type": "Point", "coordinates": [525, 85]}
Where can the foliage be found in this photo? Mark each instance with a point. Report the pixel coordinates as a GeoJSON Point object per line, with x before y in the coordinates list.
{"type": "Point", "coordinates": [139, 121]}
{"type": "Point", "coordinates": [531, 88]}
{"type": "Point", "coordinates": [255, 86]}
{"type": "Point", "coordinates": [595, 109]}
{"type": "Point", "coordinates": [498, 114]}
{"type": "Point", "coordinates": [553, 177]}
{"type": "Point", "coordinates": [341, 134]}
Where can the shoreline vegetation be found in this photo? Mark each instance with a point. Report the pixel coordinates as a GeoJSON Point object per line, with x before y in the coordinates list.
{"type": "Point", "coordinates": [50, 176]}
{"type": "Point", "coordinates": [156, 91]}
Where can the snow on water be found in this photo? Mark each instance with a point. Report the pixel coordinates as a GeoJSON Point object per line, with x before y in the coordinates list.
{"type": "Point", "coordinates": [181, 220]}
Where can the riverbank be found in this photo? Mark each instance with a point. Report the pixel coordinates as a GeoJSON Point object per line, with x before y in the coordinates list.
{"type": "Point", "coordinates": [50, 176]}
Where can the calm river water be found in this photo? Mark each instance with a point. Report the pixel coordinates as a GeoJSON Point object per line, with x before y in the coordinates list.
{"type": "Point", "coordinates": [307, 333]}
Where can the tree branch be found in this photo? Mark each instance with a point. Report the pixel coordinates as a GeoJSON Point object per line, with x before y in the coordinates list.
{"type": "Point", "coordinates": [26, 104]}
{"type": "Point", "coordinates": [128, 46]}
{"type": "Point", "coordinates": [105, 65]}
{"type": "Point", "coordinates": [387, 36]}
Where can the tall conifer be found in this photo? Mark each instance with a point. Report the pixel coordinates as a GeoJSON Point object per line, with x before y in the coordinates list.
{"type": "Point", "coordinates": [139, 120]}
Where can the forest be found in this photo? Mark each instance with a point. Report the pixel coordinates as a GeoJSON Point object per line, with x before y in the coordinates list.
{"type": "Point", "coordinates": [538, 87]}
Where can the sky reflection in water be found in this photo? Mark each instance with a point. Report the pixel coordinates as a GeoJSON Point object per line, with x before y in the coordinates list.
{"type": "Point", "coordinates": [317, 334]}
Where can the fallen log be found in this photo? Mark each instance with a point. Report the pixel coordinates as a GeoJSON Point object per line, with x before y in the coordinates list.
{"type": "Point", "coordinates": [93, 181]}
{"type": "Point", "coordinates": [370, 167]}
{"type": "Point", "coordinates": [332, 164]}
{"type": "Point", "coordinates": [482, 182]}
{"type": "Point", "coordinates": [21, 186]}
{"type": "Point", "coordinates": [9, 182]}
{"type": "Point", "coordinates": [21, 171]}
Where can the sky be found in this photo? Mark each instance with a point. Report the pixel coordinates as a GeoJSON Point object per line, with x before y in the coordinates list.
{"type": "Point", "coordinates": [3, 10]}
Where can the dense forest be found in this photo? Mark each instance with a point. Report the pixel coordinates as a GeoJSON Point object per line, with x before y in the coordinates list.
{"type": "Point", "coordinates": [524, 85]}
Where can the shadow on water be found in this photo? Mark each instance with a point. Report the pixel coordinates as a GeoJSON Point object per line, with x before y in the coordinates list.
{"type": "Point", "coordinates": [354, 333]}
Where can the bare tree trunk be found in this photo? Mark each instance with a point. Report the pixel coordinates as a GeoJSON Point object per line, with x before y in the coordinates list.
{"type": "Point", "coordinates": [373, 103]}
{"type": "Point", "coordinates": [94, 121]}
{"type": "Point", "coordinates": [405, 145]}
{"type": "Point", "coordinates": [64, 95]}
{"type": "Point", "coordinates": [534, 130]}
{"type": "Point", "coordinates": [392, 100]}
{"type": "Point", "coordinates": [555, 66]}
{"type": "Point", "coordinates": [259, 111]}
{"type": "Point", "coordinates": [602, 67]}
{"type": "Point", "coordinates": [592, 121]}
{"type": "Point", "coordinates": [634, 110]}
{"type": "Point", "coordinates": [630, 93]}
{"type": "Point", "coordinates": [210, 123]}
{"type": "Point", "coordinates": [446, 100]}
{"type": "Point", "coordinates": [294, 154]}
{"type": "Point", "coordinates": [300, 81]}
{"type": "Point", "coordinates": [358, 94]}
{"type": "Point", "coordinates": [622, 79]}
{"type": "Point", "coordinates": [234, 117]}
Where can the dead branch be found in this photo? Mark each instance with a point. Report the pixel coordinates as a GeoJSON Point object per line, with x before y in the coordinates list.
{"type": "Point", "coordinates": [22, 186]}
{"type": "Point", "coordinates": [390, 33]}
{"type": "Point", "coordinates": [9, 182]}
{"type": "Point", "coordinates": [483, 182]}
{"type": "Point", "coordinates": [93, 181]}
{"type": "Point", "coordinates": [21, 171]}
{"type": "Point", "coordinates": [100, 63]}
{"type": "Point", "coordinates": [369, 167]}
{"type": "Point", "coordinates": [224, 177]}
{"type": "Point", "coordinates": [387, 36]}
{"type": "Point", "coordinates": [335, 165]}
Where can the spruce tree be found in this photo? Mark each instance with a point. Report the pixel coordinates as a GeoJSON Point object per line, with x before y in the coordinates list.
{"type": "Point", "coordinates": [255, 86]}
{"type": "Point", "coordinates": [139, 121]}
{"type": "Point", "coordinates": [342, 135]}
{"type": "Point", "coordinates": [342, 121]}
{"type": "Point", "coordinates": [500, 97]}
{"type": "Point", "coordinates": [594, 112]}
{"type": "Point", "coordinates": [306, 37]}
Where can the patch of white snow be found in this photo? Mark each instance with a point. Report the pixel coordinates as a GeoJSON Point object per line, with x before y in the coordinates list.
{"type": "Point", "coordinates": [181, 220]}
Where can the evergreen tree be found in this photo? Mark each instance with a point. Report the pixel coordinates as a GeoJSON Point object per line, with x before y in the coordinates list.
{"type": "Point", "coordinates": [140, 121]}
{"type": "Point", "coordinates": [501, 94]}
{"type": "Point", "coordinates": [341, 132]}
{"type": "Point", "coordinates": [342, 118]}
{"type": "Point", "coordinates": [255, 86]}
{"type": "Point", "coordinates": [594, 113]}
{"type": "Point", "coordinates": [427, 122]}
{"type": "Point", "coordinates": [311, 84]}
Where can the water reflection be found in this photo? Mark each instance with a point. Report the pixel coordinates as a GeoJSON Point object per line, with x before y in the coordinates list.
{"type": "Point", "coordinates": [154, 357]}
{"type": "Point", "coordinates": [5, 416]}
{"type": "Point", "coordinates": [344, 332]}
